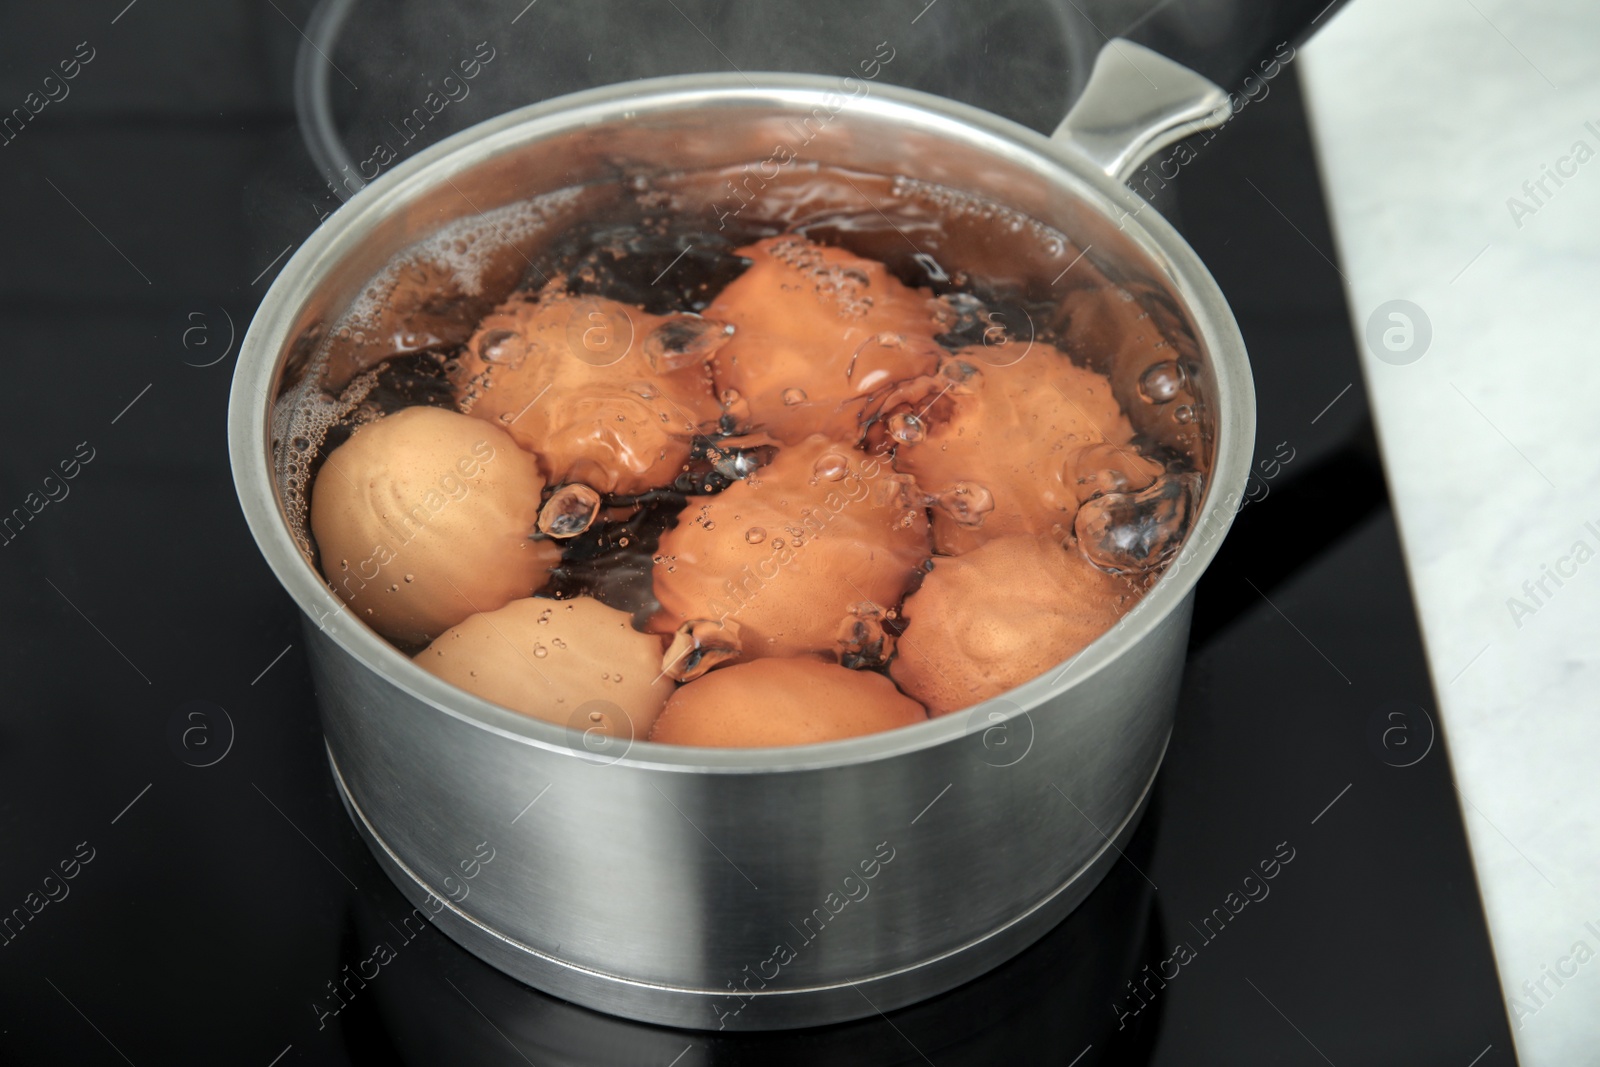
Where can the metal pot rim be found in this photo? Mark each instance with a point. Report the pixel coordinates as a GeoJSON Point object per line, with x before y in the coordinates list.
{"type": "Point", "coordinates": [256, 377]}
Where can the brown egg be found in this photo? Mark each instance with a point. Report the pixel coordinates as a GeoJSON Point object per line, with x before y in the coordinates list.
{"type": "Point", "coordinates": [789, 552]}
{"type": "Point", "coordinates": [1000, 615]}
{"type": "Point", "coordinates": [772, 702]}
{"type": "Point", "coordinates": [818, 332]}
{"type": "Point", "coordinates": [574, 662]}
{"type": "Point", "coordinates": [422, 518]}
{"type": "Point", "coordinates": [1010, 449]}
{"type": "Point", "coordinates": [1137, 338]}
{"type": "Point", "coordinates": [604, 393]}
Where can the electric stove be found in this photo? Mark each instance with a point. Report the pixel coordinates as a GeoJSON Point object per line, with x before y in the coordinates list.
{"type": "Point", "coordinates": [1299, 892]}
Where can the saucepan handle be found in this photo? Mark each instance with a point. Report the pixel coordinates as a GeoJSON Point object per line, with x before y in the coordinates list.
{"type": "Point", "coordinates": [1136, 103]}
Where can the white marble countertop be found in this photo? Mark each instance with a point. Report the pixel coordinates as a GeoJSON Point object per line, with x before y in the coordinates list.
{"type": "Point", "coordinates": [1439, 125]}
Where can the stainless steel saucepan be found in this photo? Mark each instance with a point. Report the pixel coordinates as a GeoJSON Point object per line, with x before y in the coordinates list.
{"type": "Point", "coordinates": [779, 887]}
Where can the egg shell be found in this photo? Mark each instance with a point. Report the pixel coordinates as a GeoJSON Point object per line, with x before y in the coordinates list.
{"type": "Point", "coordinates": [574, 662]}
{"type": "Point", "coordinates": [861, 537]}
{"type": "Point", "coordinates": [772, 702]}
{"type": "Point", "coordinates": [422, 518]}
{"type": "Point", "coordinates": [993, 618]}
{"type": "Point", "coordinates": [804, 355]}
{"type": "Point", "coordinates": [569, 378]}
{"type": "Point", "coordinates": [1016, 430]}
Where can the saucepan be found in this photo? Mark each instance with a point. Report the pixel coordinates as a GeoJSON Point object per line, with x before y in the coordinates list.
{"type": "Point", "coordinates": [762, 888]}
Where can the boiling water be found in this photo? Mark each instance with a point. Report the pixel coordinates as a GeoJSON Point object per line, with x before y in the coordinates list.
{"type": "Point", "coordinates": [401, 346]}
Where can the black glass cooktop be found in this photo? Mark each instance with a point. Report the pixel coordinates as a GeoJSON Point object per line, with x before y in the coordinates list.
{"type": "Point", "coordinates": [180, 883]}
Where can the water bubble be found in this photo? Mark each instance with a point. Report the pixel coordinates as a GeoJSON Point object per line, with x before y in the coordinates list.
{"type": "Point", "coordinates": [735, 407]}
{"type": "Point", "coordinates": [737, 464]}
{"type": "Point", "coordinates": [1161, 382]}
{"type": "Point", "coordinates": [906, 428]}
{"type": "Point", "coordinates": [1183, 413]}
{"type": "Point", "coordinates": [831, 466]}
{"type": "Point", "coordinates": [685, 340]}
{"type": "Point", "coordinates": [1103, 467]}
{"type": "Point", "coordinates": [755, 535]}
{"type": "Point", "coordinates": [1136, 532]}
{"type": "Point", "coordinates": [570, 511]}
{"type": "Point", "coordinates": [966, 503]}
{"type": "Point", "coordinates": [960, 374]}
{"type": "Point", "coordinates": [699, 645]}
{"type": "Point", "coordinates": [792, 397]}
{"type": "Point", "coordinates": [863, 642]}
{"type": "Point", "coordinates": [540, 651]}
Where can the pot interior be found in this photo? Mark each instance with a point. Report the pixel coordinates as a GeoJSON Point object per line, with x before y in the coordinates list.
{"type": "Point", "coordinates": [938, 193]}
